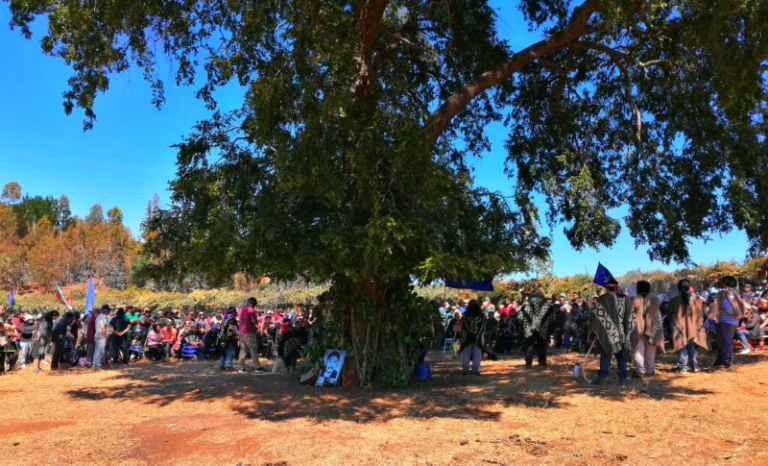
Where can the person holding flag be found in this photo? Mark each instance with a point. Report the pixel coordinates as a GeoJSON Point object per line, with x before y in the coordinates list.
{"type": "Point", "coordinates": [614, 325]}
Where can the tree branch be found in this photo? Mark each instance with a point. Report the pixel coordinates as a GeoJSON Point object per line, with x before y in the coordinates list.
{"type": "Point", "coordinates": [397, 37]}
{"type": "Point", "coordinates": [619, 59]}
{"type": "Point", "coordinates": [368, 17]}
{"type": "Point", "coordinates": [578, 26]}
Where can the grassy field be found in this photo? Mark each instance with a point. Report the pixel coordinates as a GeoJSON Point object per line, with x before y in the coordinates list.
{"type": "Point", "coordinates": [192, 414]}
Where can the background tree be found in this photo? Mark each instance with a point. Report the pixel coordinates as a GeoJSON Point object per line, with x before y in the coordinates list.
{"type": "Point", "coordinates": [95, 215]}
{"type": "Point", "coordinates": [30, 210]}
{"type": "Point", "coordinates": [65, 219]}
{"type": "Point", "coordinates": [54, 247]}
{"type": "Point", "coordinates": [346, 159]}
{"type": "Point", "coordinates": [11, 193]}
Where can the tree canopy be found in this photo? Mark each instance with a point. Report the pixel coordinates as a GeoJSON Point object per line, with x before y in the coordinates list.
{"type": "Point", "coordinates": [347, 159]}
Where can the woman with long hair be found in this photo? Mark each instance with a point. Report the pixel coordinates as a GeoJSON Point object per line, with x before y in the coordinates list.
{"type": "Point", "coordinates": [155, 350]}
{"type": "Point", "coordinates": [42, 338]}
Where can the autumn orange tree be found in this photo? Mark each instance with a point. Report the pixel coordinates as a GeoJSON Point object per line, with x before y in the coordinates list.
{"type": "Point", "coordinates": [42, 244]}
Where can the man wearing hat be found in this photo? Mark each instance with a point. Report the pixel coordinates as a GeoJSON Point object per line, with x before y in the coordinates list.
{"type": "Point", "coordinates": [100, 337]}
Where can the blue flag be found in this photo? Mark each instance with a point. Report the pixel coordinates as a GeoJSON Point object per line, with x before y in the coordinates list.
{"type": "Point", "coordinates": [10, 298]}
{"type": "Point", "coordinates": [479, 285]}
{"type": "Point", "coordinates": [90, 297]}
{"type": "Point", "coordinates": [603, 276]}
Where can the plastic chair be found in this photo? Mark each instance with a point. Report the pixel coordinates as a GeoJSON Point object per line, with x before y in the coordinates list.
{"type": "Point", "coordinates": [452, 341]}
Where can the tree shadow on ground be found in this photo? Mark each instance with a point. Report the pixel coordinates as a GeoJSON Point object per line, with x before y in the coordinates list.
{"type": "Point", "coordinates": [449, 394]}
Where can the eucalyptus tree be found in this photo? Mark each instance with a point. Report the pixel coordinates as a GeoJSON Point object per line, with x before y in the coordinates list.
{"type": "Point", "coordinates": [347, 159]}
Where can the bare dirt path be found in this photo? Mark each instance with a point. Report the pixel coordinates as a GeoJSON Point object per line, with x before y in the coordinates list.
{"type": "Point", "coordinates": [192, 414]}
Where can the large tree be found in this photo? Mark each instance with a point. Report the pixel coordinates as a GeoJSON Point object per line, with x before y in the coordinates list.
{"type": "Point", "coordinates": [347, 158]}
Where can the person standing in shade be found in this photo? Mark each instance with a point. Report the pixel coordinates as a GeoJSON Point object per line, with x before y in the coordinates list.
{"type": "Point", "coordinates": [473, 337]}
{"type": "Point", "coordinates": [537, 316]}
{"type": "Point", "coordinates": [686, 316]}
{"type": "Point", "coordinates": [100, 336]}
{"type": "Point", "coordinates": [58, 334]}
{"type": "Point", "coordinates": [249, 334]}
{"type": "Point", "coordinates": [121, 325]}
{"type": "Point", "coordinates": [650, 330]}
{"type": "Point", "coordinates": [90, 336]}
{"type": "Point", "coordinates": [25, 342]}
{"type": "Point", "coordinates": [613, 323]}
{"type": "Point", "coordinates": [726, 311]}
{"type": "Point", "coordinates": [42, 338]}
{"type": "Point", "coordinates": [226, 339]}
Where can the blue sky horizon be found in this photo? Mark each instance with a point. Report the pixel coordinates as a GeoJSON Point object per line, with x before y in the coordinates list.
{"type": "Point", "coordinates": [127, 157]}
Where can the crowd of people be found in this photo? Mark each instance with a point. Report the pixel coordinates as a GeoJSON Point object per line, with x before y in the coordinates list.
{"type": "Point", "coordinates": [631, 329]}
{"type": "Point", "coordinates": [614, 325]}
{"type": "Point", "coordinates": [115, 336]}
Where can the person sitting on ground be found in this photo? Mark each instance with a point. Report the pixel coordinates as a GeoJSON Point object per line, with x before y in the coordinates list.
{"type": "Point", "coordinates": [169, 337]}
{"type": "Point", "coordinates": [192, 337]}
{"type": "Point", "coordinates": [177, 343]}
{"type": "Point", "coordinates": [155, 351]}
{"type": "Point", "coordinates": [209, 341]}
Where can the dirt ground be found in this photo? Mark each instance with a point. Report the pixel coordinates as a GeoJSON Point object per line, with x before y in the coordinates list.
{"type": "Point", "coordinates": [192, 414]}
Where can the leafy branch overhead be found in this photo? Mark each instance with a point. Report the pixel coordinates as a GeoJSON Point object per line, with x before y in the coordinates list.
{"type": "Point", "coordinates": [348, 154]}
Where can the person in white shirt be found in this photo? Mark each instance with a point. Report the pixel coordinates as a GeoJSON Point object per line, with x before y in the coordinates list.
{"type": "Point", "coordinates": [102, 323]}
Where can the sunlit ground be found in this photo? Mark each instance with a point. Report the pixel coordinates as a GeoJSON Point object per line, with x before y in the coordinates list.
{"type": "Point", "coordinates": [191, 413]}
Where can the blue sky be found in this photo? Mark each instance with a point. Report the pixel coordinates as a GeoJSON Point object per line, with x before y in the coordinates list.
{"type": "Point", "coordinates": [126, 158]}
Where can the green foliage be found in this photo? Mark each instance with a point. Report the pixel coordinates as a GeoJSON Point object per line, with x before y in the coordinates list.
{"type": "Point", "coordinates": [383, 330]}
{"type": "Point", "coordinates": [31, 210]}
{"type": "Point", "coordinates": [346, 159]}
{"type": "Point", "coordinates": [197, 300]}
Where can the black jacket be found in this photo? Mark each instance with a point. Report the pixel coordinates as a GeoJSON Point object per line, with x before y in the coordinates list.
{"type": "Point", "coordinates": [228, 334]}
{"type": "Point", "coordinates": [27, 330]}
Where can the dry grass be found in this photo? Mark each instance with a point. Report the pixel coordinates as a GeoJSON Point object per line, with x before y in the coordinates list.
{"type": "Point", "coordinates": [191, 414]}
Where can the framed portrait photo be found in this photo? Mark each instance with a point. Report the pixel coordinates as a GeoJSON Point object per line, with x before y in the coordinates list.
{"type": "Point", "coordinates": [332, 364]}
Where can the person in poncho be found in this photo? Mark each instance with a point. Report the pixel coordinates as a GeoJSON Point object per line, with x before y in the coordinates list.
{"type": "Point", "coordinates": [226, 339]}
{"type": "Point", "coordinates": [614, 326]}
{"type": "Point", "coordinates": [537, 316]}
{"type": "Point", "coordinates": [289, 347]}
{"type": "Point", "coordinates": [650, 330]}
{"type": "Point", "coordinates": [472, 337]}
{"type": "Point", "coordinates": [686, 315]}
{"type": "Point", "coordinates": [726, 311]}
